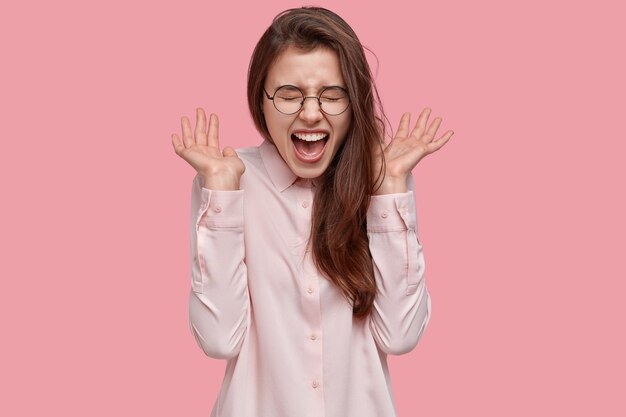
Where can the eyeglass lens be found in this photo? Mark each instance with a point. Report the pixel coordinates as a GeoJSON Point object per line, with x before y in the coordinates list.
{"type": "Point", "coordinates": [289, 100]}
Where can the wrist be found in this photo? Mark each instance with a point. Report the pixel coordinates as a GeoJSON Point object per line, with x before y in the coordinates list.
{"type": "Point", "coordinates": [220, 184]}
{"type": "Point", "coordinates": [392, 185]}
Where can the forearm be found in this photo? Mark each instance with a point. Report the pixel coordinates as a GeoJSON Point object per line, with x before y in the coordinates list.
{"type": "Point", "coordinates": [219, 301]}
{"type": "Point", "coordinates": [402, 307]}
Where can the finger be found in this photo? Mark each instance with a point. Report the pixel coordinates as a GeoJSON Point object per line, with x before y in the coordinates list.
{"type": "Point", "coordinates": [436, 145]}
{"type": "Point", "coordinates": [420, 125]}
{"type": "Point", "coordinates": [178, 146]}
{"type": "Point", "coordinates": [187, 136]}
{"type": "Point", "coordinates": [213, 131]}
{"type": "Point", "coordinates": [201, 138]}
{"type": "Point", "coordinates": [432, 130]}
{"type": "Point", "coordinates": [403, 127]}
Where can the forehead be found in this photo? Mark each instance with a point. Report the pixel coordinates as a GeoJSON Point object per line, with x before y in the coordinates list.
{"type": "Point", "coordinates": [309, 70]}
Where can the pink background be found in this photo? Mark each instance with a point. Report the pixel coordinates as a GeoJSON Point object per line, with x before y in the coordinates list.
{"type": "Point", "coordinates": [520, 214]}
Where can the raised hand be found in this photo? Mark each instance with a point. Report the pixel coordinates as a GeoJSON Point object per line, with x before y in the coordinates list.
{"type": "Point", "coordinates": [221, 170]}
{"type": "Point", "coordinates": [405, 150]}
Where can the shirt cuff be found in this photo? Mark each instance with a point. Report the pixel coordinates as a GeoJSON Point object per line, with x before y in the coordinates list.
{"type": "Point", "coordinates": [391, 212]}
{"type": "Point", "coordinates": [220, 209]}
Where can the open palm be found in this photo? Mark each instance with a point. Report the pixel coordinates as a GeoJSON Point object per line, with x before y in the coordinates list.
{"type": "Point", "coordinates": [405, 150]}
{"type": "Point", "coordinates": [221, 170]}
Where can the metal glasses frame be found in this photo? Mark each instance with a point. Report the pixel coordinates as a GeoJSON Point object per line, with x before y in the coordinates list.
{"type": "Point", "coordinates": [318, 98]}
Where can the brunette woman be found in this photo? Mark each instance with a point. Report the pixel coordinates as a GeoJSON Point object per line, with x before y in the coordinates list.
{"type": "Point", "coordinates": [305, 262]}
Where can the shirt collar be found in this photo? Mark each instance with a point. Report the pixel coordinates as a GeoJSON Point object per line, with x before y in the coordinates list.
{"type": "Point", "coordinates": [281, 175]}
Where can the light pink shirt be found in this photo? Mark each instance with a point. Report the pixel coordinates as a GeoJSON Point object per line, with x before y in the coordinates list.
{"type": "Point", "coordinates": [287, 333]}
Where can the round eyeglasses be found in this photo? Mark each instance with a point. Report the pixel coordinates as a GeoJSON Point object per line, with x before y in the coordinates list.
{"type": "Point", "coordinates": [289, 99]}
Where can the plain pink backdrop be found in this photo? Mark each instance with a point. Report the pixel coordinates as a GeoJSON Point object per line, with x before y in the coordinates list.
{"type": "Point", "coordinates": [520, 214]}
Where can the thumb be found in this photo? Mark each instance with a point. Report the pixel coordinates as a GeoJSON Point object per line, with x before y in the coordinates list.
{"type": "Point", "coordinates": [228, 151]}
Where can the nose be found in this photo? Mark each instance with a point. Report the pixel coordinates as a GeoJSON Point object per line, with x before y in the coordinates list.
{"type": "Point", "coordinates": [311, 111]}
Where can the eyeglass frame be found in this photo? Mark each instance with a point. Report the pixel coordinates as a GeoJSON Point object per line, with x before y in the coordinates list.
{"type": "Point", "coordinates": [304, 97]}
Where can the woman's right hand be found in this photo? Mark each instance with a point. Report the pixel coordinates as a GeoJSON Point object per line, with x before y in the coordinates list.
{"type": "Point", "coordinates": [220, 170]}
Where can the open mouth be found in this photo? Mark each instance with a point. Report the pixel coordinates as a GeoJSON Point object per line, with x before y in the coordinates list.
{"type": "Point", "coordinates": [309, 146]}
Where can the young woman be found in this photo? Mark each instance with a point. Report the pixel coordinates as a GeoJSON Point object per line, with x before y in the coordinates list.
{"type": "Point", "coordinates": [305, 263]}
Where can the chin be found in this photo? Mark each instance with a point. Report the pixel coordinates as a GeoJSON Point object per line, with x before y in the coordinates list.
{"type": "Point", "coordinates": [309, 172]}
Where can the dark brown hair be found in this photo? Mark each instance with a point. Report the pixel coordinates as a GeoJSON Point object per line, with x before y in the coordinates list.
{"type": "Point", "coordinates": [338, 230]}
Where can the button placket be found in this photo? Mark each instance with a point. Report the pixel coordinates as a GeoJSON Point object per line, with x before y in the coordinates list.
{"type": "Point", "coordinates": [302, 219]}
{"type": "Point", "coordinates": [311, 305]}
{"type": "Point", "coordinates": [312, 334]}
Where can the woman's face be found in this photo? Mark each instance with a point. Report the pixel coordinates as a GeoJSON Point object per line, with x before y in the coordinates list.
{"type": "Point", "coordinates": [309, 139]}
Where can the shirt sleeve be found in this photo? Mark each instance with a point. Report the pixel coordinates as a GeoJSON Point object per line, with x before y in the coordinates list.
{"type": "Point", "coordinates": [219, 301]}
{"type": "Point", "coordinates": [402, 305]}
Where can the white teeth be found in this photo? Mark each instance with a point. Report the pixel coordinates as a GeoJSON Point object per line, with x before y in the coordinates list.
{"type": "Point", "coordinates": [310, 137]}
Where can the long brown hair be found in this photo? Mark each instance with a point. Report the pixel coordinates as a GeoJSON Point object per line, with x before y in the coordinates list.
{"type": "Point", "coordinates": [338, 230]}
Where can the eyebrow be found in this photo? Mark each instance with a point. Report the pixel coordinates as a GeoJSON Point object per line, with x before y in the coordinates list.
{"type": "Point", "coordinates": [302, 89]}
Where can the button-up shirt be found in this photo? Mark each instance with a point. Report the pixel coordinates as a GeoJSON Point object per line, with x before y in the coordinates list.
{"type": "Point", "coordinates": [292, 346]}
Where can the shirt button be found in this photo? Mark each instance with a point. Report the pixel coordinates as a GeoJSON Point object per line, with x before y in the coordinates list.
{"type": "Point", "coordinates": [305, 204]}
{"type": "Point", "coordinates": [218, 209]}
{"type": "Point", "coordinates": [313, 337]}
{"type": "Point", "coordinates": [310, 290]}
{"type": "Point", "coordinates": [315, 384]}
{"type": "Point", "coordinates": [384, 214]}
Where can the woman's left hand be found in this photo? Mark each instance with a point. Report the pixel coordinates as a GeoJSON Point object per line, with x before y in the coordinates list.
{"type": "Point", "coordinates": [405, 150]}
